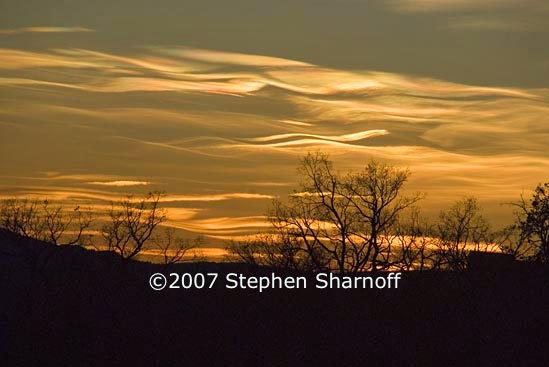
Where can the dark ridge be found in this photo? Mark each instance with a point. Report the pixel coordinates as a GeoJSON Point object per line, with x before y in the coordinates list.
{"type": "Point", "coordinates": [66, 306]}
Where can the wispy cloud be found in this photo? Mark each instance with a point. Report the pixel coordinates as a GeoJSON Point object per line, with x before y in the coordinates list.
{"type": "Point", "coordinates": [216, 197]}
{"type": "Point", "coordinates": [223, 226]}
{"type": "Point", "coordinates": [487, 15]}
{"type": "Point", "coordinates": [297, 123]}
{"type": "Point", "coordinates": [342, 138]}
{"type": "Point", "coordinates": [303, 139]}
{"type": "Point", "coordinates": [181, 75]}
{"type": "Point", "coordinates": [120, 183]}
{"type": "Point", "coordinates": [488, 22]}
{"type": "Point", "coordinates": [212, 127]}
{"type": "Point", "coordinates": [44, 30]}
{"type": "Point", "coordinates": [228, 58]}
{"type": "Point", "coordinates": [67, 193]}
{"type": "Point", "coordinates": [414, 6]}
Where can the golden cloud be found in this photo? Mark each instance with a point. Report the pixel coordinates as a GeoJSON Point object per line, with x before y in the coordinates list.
{"type": "Point", "coordinates": [44, 30]}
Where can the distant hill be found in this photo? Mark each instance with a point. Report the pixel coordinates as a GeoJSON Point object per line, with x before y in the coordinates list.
{"type": "Point", "coordinates": [67, 306]}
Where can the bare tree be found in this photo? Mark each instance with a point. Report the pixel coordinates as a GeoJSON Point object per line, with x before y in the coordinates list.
{"type": "Point", "coordinates": [414, 246]}
{"type": "Point", "coordinates": [460, 229]}
{"type": "Point", "coordinates": [173, 248]}
{"type": "Point", "coordinates": [58, 222]}
{"type": "Point", "coordinates": [375, 194]}
{"type": "Point", "coordinates": [41, 220]}
{"type": "Point", "coordinates": [132, 224]}
{"type": "Point", "coordinates": [273, 251]}
{"type": "Point", "coordinates": [532, 222]}
{"type": "Point", "coordinates": [245, 251]}
{"type": "Point", "coordinates": [511, 241]}
{"type": "Point", "coordinates": [296, 224]}
{"type": "Point", "coordinates": [338, 221]}
{"type": "Point", "coordinates": [21, 216]}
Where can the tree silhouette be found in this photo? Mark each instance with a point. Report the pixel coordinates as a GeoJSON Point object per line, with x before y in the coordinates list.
{"type": "Point", "coordinates": [338, 221]}
{"type": "Point", "coordinates": [173, 248]}
{"type": "Point", "coordinates": [39, 219]}
{"type": "Point", "coordinates": [460, 229]}
{"type": "Point", "coordinates": [275, 251]}
{"type": "Point", "coordinates": [533, 221]}
{"type": "Point", "coordinates": [413, 244]}
{"type": "Point", "coordinates": [132, 224]}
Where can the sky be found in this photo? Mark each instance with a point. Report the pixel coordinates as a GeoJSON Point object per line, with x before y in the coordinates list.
{"type": "Point", "coordinates": [215, 101]}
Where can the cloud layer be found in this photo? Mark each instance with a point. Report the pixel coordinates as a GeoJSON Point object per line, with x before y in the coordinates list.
{"type": "Point", "coordinates": [222, 132]}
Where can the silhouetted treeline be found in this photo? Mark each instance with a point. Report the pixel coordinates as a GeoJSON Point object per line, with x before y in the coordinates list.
{"type": "Point", "coordinates": [132, 224]}
{"type": "Point", "coordinates": [360, 221]}
{"type": "Point", "coordinates": [349, 223]}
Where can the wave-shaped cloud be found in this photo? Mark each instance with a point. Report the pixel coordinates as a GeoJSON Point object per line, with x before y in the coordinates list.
{"type": "Point", "coordinates": [212, 127]}
{"type": "Point", "coordinates": [303, 139]}
{"type": "Point", "coordinates": [320, 95]}
{"type": "Point", "coordinates": [183, 75]}
{"type": "Point", "coordinates": [66, 193]}
{"type": "Point", "coordinates": [341, 138]}
{"type": "Point", "coordinates": [215, 197]}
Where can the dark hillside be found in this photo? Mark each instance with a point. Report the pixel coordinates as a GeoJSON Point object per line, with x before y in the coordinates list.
{"type": "Point", "coordinates": [66, 306]}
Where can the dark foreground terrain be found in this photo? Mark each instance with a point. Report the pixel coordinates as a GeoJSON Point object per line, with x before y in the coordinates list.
{"type": "Point", "coordinates": [72, 307]}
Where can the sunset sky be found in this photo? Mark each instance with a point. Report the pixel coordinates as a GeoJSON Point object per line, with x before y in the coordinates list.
{"type": "Point", "coordinates": [215, 102]}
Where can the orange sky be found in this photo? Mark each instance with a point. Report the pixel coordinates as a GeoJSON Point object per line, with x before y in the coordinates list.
{"type": "Point", "coordinates": [220, 129]}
